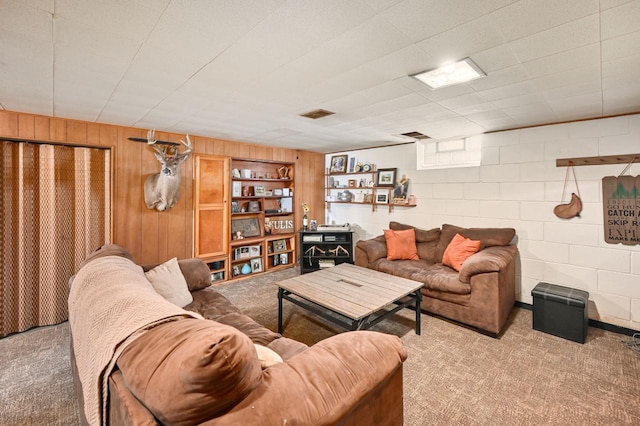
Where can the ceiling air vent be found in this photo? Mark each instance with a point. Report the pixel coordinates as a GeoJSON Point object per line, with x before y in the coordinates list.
{"type": "Point", "coordinates": [318, 113]}
{"type": "Point", "coordinates": [415, 135]}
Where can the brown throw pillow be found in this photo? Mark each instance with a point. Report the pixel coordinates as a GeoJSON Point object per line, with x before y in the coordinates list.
{"type": "Point", "coordinates": [458, 250]}
{"type": "Point", "coordinates": [190, 370]}
{"type": "Point", "coordinates": [401, 245]}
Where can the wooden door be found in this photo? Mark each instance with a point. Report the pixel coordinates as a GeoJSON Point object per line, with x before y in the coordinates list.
{"type": "Point", "coordinates": [211, 205]}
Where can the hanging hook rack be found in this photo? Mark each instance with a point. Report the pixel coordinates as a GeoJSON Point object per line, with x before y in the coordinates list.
{"type": "Point", "coordinates": [598, 161]}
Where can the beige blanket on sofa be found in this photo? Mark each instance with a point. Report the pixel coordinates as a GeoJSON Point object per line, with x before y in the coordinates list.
{"type": "Point", "coordinates": [110, 304]}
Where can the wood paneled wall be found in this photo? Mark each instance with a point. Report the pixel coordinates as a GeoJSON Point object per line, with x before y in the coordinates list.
{"type": "Point", "coordinates": [153, 236]}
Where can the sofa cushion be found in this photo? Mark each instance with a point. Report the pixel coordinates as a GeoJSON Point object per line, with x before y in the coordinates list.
{"type": "Point", "coordinates": [168, 281]}
{"type": "Point", "coordinates": [214, 306]}
{"type": "Point", "coordinates": [268, 357]}
{"type": "Point", "coordinates": [401, 244]}
{"type": "Point", "coordinates": [189, 370]}
{"type": "Point", "coordinates": [442, 279]}
{"type": "Point", "coordinates": [487, 236]}
{"type": "Point", "coordinates": [458, 250]}
{"type": "Point", "coordinates": [426, 240]}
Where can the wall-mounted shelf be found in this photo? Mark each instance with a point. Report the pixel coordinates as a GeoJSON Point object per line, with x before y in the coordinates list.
{"type": "Point", "coordinates": [598, 161]}
{"type": "Point", "coordinates": [372, 190]}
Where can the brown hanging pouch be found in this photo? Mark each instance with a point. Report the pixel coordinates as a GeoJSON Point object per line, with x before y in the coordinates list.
{"type": "Point", "coordinates": [573, 207]}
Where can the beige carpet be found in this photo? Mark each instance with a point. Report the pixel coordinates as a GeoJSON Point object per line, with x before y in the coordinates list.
{"type": "Point", "coordinates": [454, 375]}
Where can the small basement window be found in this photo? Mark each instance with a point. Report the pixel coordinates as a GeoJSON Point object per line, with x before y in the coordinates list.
{"type": "Point", "coordinates": [434, 154]}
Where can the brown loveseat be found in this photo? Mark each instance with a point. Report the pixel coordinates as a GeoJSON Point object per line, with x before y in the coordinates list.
{"type": "Point", "coordinates": [185, 370]}
{"type": "Point", "coordinates": [481, 295]}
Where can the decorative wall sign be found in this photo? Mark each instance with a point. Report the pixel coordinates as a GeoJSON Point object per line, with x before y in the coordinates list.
{"type": "Point", "coordinates": [281, 225]}
{"type": "Point", "coordinates": [621, 208]}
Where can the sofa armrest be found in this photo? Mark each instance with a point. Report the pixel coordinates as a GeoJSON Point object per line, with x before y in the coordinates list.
{"type": "Point", "coordinates": [368, 251]}
{"type": "Point", "coordinates": [491, 259]}
{"type": "Point", "coordinates": [325, 383]}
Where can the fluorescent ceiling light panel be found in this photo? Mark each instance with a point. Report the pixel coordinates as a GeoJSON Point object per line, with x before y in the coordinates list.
{"type": "Point", "coordinates": [454, 73]}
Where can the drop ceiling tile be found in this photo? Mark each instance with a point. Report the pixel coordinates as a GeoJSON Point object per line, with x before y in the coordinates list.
{"type": "Point", "coordinates": [491, 5]}
{"type": "Point", "coordinates": [402, 62]}
{"type": "Point", "coordinates": [116, 17]}
{"type": "Point", "coordinates": [571, 91]}
{"type": "Point", "coordinates": [216, 19]}
{"type": "Point", "coordinates": [483, 117]}
{"type": "Point", "coordinates": [621, 20]}
{"type": "Point", "coordinates": [558, 39]}
{"type": "Point", "coordinates": [577, 76]}
{"type": "Point", "coordinates": [384, 92]}
{"type": "Point", "coordinates": [585, 105]}
{"type": "Point", "coordinates": [500, 78]}
{"type": "Point", "coordinates": [83, 39]}
{"type": "Point", "coordinates": [420, 19]}
{"type": "Point", "coordinates": [475, 109]}
{"type": "Point", "coordinates": [621, 47]}
{"type": "Point", "coordinates": [617, 73]}
{"type": "Point", "coordinates": [526, 99]}
{"type": "Point", "coordinates": [496, 58]}
{"type": "Point", "coordinates": [380, 5]}
{"type": "Point", "coordinates": [30, 22]}
{"type": "Point", "coordinates": [527, 17]}
{"type": "Point", "coordinates": [564, 61]}
{"type": "Point", "coordinates": [466, 100]}
{"type": "Point", "coordinates": [608, 4]}
{"type": "Point", "coordinates": [452, 128]}
{"type": "Point", "coordinates": [510, 91]}
{"type": "Point", "coordinates": [462, 41]}
{"type": "Point", "coordinates": [621, 100]}
{"type": "Point", "coordinates": [531, 111]}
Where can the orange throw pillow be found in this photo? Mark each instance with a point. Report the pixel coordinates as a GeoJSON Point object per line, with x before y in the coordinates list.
{"type": "Point", "coordinates": [458, 250]}
{"type": "Point", "coordinates": [401, 245]}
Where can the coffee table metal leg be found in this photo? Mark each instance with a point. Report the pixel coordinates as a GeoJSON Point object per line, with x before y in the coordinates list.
{"type": "Point", "coordinates": [418, 303]}
{"type": "Point", "coordinates": [280, 293]}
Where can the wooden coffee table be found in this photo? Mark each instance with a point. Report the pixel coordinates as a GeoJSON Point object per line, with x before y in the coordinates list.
{"type": "Point", "coordinates": [351, 296]}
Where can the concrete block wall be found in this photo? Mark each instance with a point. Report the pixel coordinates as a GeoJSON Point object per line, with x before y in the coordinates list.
{"type": "Point", "coordinates": [518, 185]}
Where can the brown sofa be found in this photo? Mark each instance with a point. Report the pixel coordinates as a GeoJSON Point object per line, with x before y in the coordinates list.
{"type": "Point", "coordinates": [206, 371]}
{"type": "Point", "coordinates": [481, 295]}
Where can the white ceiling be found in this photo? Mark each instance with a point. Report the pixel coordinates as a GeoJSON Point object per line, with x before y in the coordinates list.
{"type": "Point", "coordinates": [245, 69]}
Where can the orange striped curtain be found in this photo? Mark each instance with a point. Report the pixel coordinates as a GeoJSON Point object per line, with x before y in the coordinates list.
{"type": "Point", "coordinates": [56, 209]}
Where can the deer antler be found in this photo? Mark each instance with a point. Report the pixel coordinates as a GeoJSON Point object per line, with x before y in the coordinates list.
{"type": "Point", "coordinates": [188, 144]}
{"type": "Point", "coordinates": [151, 136]}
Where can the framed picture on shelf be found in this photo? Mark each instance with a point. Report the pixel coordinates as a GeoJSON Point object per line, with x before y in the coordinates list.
{"type": "Point", "coordinates": [338, 164]}
{"type": "Point", "coordinates": [247, 227]}
{"type": "Point", "coordinates": [277, 192]}
{"type": "Point", "coordinates": [386, 177]}
{"type": "Point", "coordinates": [279, 245]}
{"type": "Point", "coordinates": [236, 189]}
{"type": "Point", "coordinates": [382, 198]}
{"type": "Point", "coordinates": [284, 258]}
{"type": "Point", "coordinates": [256, 265]}
{"type": "Point", "coordinates": [352, 164]}
{"type": "Point", "coordinates": [259, 190]}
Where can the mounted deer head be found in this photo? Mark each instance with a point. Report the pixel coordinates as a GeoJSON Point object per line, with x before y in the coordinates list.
{"type": "Point", "coordinates": [162, 190]}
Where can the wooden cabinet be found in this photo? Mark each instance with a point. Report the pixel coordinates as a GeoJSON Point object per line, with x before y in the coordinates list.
{"type": "Point", "coordinates": [244, 215]}
{"type": "Point", "coordinates": [211, 209]}
{"type": "Point", "coordinates": [262, 217]}
{"type": "Point", "coordinates": [319, 249]}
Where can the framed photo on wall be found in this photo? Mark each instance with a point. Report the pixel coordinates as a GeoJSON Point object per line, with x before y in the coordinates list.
{"type": "Point", "coordinates": [338, 164]}
{"type": "Point", "coordinates": [386, 177]}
